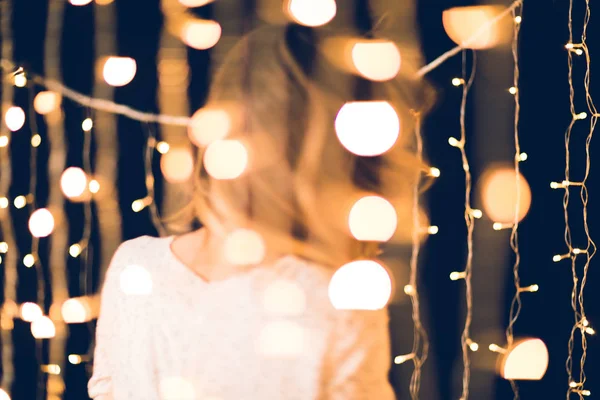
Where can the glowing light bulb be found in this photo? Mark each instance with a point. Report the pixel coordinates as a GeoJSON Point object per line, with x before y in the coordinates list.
{"type": "Point", "coordinates": [20, 201]}
{"type": "Point", "coordinates": [457, 275]}
{"type": "Point", "coordinates": [138, 205]}
{"type": "Point", "coordinates": [75, 359]}
{"type": "Point", "coordinates": [163, 147]}
{"type": "Point", "coordinates": [94, 186]}
{"type": "Point", "coordinates": [87, 124]}
{"type": "Point", "coordinates": [36, 140]}
{"type": "Point", "coordinates": [433, 230]}
{"type": "Point", "coordinates": [195, 3]}
{"type": "Point", "coordinates": [73, 182]}
{"type": "Point", "coordinates": [476, 213]}
{"type": "Point", "coordinates": [473, 27]}
{"type": "Point", "coordinates": [104, 2]}
{"type": "Point", "coordinates": [360, 285]}
{"type": "Point", "coordinates": [373, 218]}
{"type": "Point", "coordinates": [136, 280]}
{"type": "Point", "coordinates": [512, 90]}
{"type": "Point", "coordinates": [46, 102]}
{"type": "Point", "coordinates": [404, 358]}
{"type": "Point", "coordinates": [4, 141]}
{"type": "Point", "coordinates": [454, 142]}
{"type": "Point", "coordinates": [581, 115]}
{"type": "Point", "coordinates": [51, 369]}
{"type": "Point", "coordinates": [209, 124]}
{"type": "Point", "coordinates": [312, 12]}
{"type": "Point", "coordinates": [30, 312]}
{"type": "Point", "coordinates": [201, 34]}
{"type": "Point", "coordinates": [177, 165]}
{"type": "Point", "coordinates": [41, 223]}
{"type": "Point", "coordinates": [518, 19]}
{"type": "Point", "coordinates": [4, 202]}
{"type": "Point", "coordinates": [119, 71]}
{"type": "Point", "coordinates": [76, 311]}
{"type": "Point", "coordinates": [4, 395]}
{"type": "Point", "coordinates": [499, 195]}
{"type": "Point", "coordinates": [377, 60]}
{"type": "Point", "coordinates": [578, 52]}
{"type": "Point", "coordinates": [527, 360]}
{"type": "Point", "coordinates": [244, 247]}
{"type": "Point", "coordinates": [43, 328]}
{"type": "Point", "coordinates": [80, 2]}
{"type": "Point", "coordinates": [75, 250]}
{"type": "Point", "coordinates": [523, 157]}
{"type": "Point", "coordinates": [569, 46]}
{"type": "Point", "coordinates": [14, 118]}
{"type": "Point", "coordinates": [473, 346]}
{"type": "Point", "coordinates": [20, 80]}
{"type": "Point", "coordinates": [367, 128]}
{"type": "Point", "coordinates": [3, 247]}
{"type": "Point", "coordinates": [435, 172]}
{"type": "Point", "coordinates": [225, 159]}
{"type": "Point", "coordinates": [409, 290]}
{"type": "Point", "coordinates": [457, 81]}
{"type": "Point", "coordinates": [29, 260]}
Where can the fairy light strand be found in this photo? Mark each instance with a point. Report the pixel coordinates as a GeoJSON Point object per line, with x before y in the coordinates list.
{"type": "Point", "coordinates": [150, 179]}
{"type": "Point", "coordinates": [85, 283]}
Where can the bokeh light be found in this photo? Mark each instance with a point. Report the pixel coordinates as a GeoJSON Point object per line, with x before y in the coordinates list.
{"type": "Point", "coordinates": [30, 312]}
{"type": "Point", "coordinates": [76, 310]}
{"type": "Point", "coordinates": [46, 102]}
{"type": "Point", "coordinates": [284, 298]}
{"type": "Point", "coordinates": [367, 128]}
{"type": "Point", "coordinates": [119, 71]}
{"type": "Point", "coordinates": [499, 194]}
{"type": "Point", "coordinates": [177, 165]}
{"type": "Point", "coordinates": [195, 3]}
{"type": "Point", "coordinates": [312, 12]}
{"type": "Point", "coordinates": [244, 247]}
{"type": "Point", "coordinates": [94, 186]}
{"type": "Point", "coordinates": [225, 159]}
{"type": "Point", "coordinates": [80, 2]}
{"type": "Point", "coordinates": [41, 223]}
{"type": "Point", "coordinates": [360, 285]}
{"type": "Point", "coordinates": [43, 328]}
{"type": "Point", "coordinates": [373, 218]}
{"type": "Point", "coordinates": [20, 201]}
{"type": "Point", "coordinates": [209, 124]}
{"type": "Point", "coordinates": [282, 339]}
{"type": "Point", "coordinates": [527, 360]}
{"type": "Point", "coordinates": [14, 118]}
{"type": "Point", "coordinates": [377, 60]}
{"type": "Point", "coordinates": [471, 26]}
{"type": "Point", "coordinates": [73, 182]}
{"type": "Point", "coordinates": [135, 280]}
{"type": "Point", "coordinates": [177, 388]}
{"type": "Point", "coordinates": [4, 395]}
{"type": "Point", "coordinates": [201, 34]}
{"type": "Point", "coordinates": [29, 260]}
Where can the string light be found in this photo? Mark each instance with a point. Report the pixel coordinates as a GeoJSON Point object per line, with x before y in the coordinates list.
{"type": "Point", "coordinates": [19, 78]}
{"type": "Point", "coordinates": [458, 81]}
{"type": "Point", "coordinates": [119, 71]}
{"type": "Point", "coordinates": [4, 203]}
{"type": "Point", "coordinates": [201, 34]}
{"type": "Point", "coordinates": [87, 124]}
{"type": "Point", "coordinates": [312, 12]}
{"type": "Point", "coordinates": [404, 358]}
{"type": "Point", "coordinates": [94, 186]}
{"type": "Point", "coordinates": [36, 140]}
{"type": "Point", "coordinates": [14, 118]}
{"type": "Point", "coordinates": [163, 147]}
{"type": "Point", "coordinates": [20, 201]}
{"type": "Point", "coordinates": [139, 204]}
{"type": "Point", "coordinates": [435, 172]}
{"type": "Point", "coordinates": [4, 141]}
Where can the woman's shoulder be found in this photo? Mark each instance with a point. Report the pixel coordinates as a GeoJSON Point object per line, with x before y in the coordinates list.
{"type": "Point", "coordinates": [143, 250]}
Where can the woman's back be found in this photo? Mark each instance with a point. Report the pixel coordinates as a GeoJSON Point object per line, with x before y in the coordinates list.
{"type": "Point", "coordinates": [269, 333]}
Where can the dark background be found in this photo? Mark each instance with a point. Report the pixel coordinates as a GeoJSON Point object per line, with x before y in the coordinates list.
{"type": "Point", "coordinates": [545, 115]}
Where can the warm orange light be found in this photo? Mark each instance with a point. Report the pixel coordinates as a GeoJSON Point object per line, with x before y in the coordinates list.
{"type": "Point", "coordinates": [30, 312]}
{"type": "Point", "coordinates": [73, 182]}
{"type": "Point", "coordinates": [41, 223]}
{"type": "Point", "coordinates": [76, 310]}
{"type": "Point", "coordinates": [360, 285]}
{"type": "Point", "coordinates": [499, 195]}
{"type": "Point", "coordinates": [177, 165]}
{"type": "Point", "coordinates": [373, 218]}
{"type": "Point", "coordinates": [43, 328]}
{"type": "Point", "coordinates": [209, 124]}
{"type": "Point", "coordinates": [119, 71]}
{"type": "Point", "coordinates": [244, 247]}
{"type": "Point", "coordinates": [284, 298]}
{"type": "Point", "coordinates": [80, 2]}
{"type": "Point", "coordinates": [201, 34]}
{"type": "Point", "coordinates": [46, 102]}
{"type": "Point", "coordinates": [472, 28]}
{"type": "Point", "coordinates": [377, 60]}
{"type": "Point", "coordinates": [282, 339]}
{"type": "Point", "coordinates": [312, 12]}
{"type": "Point", "coordinates": [135, 280]}
{"type": "Point", "coordinates": [14, 118]}
{"type": "Point", "coordinates": [527, 360]}
{"type": "Point", "coordinates": [104, 2]}
{"type": "Point", "coordinates": [367, 128]}
{"type": "Point", "coordinates": [195, 3]}
{"type": "Point", "coordinates": [225, 159]}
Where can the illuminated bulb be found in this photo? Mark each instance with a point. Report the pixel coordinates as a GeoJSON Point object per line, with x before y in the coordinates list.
{"type": "Point", "coordinates": [43, 328]}
{"type": "Point", "coordinates": [29, 260]}
{"type": "Point", "coordinates": [4, 141]}
{"type": "Point", "coordinates": [476, 213]}
{"type": "Point", "coordinates": [579, 251]}
{"type": "Point", "coordinates": [46, 102]}
{"type": "Point", "coordinates": [36, 140]}
{"type": "Point", "coordinates": [377, 60]}
{"type": "Point", "coordinates": [585, 322]}
{"type": "Point", "coordinates": [574, 384]}
{"type": "Point", "coordinates": [518, 19]}
{"type": "Point", "coordinates": [527, 360]}
{"type": "Point", "coordinates": [201, 34]}
{"type": "Point", "coordinates": [4, 202]}
{"type": "Point", "coordinates": [244, 247]}
{"type": "Point", "coordinates": [76, 311]}
{"type": "Point", "coordinates": [41, 223]}
{"type": "Point", "coordinates": [581, 115]}
{"type": "Point", "coordinates": [209, 124]}
{"type": "Point", "coordinates": [498, 226]}
{"type": "Point", "coordinates": [578, 52]}
{"type": "Point", "coordinates": [75, 359]}
{"type": "Point", "coordinates": [590, 331]}
{"type": "Point", "coordinates": [94, 186]}
{"type": "Point", "coordinates": [163, 147]}
{"type": "Point", "coordinates": [73, 182]}
{"type": "Point", "coordinates": [14, 118]}
{"type": "Point", "coordinates": [473, 27]}
{"type": "Point", "coordinates": [119, 71]}
{"type": "Point", "coordinates": [409, 290]}
{"type": "Point", "coordinates": [20, 80]}
{"type": "Point", "coordinates": [373, 218]}
{"type": "Point", "coordinates": [30, 312]}
{"type": "Point", "coordinates": [532, 288]}
{"type": "Point", "coordinates": [435, 172]}
{"type": "Point", "coordinates": [225, 159]}
{"type": "Point", "coordinates": [496, 349]}
{"type": "Point", "coordinates": [367, 128]}
{"type": "Point", "coordinates": [586, 393]}
{"type": "Point", "coordinates": [499, 195]}
{"type": "Point", "coordinates": [75, 250]}
{"type": "Point", "coordinates": [559, 257]}
{"type": "Point", "coordinates": [135, 280]}
{"type": "Point", "coordinates": [312, 12]}
{"type": "Point", "coordinates": [554, 185]}
{"type": "Point", "coordinates": [139, 204]}
{"type": "Point", "coordinates": [569, 46]}
{"type": "Point", "coordinates": [20, 201]}
{"type": "Point", "coordinates": [404, 358]}
{"type": "Point", "coordinates": [104, 2]}
{"type": "Point", "coordinates": [80, 2]}
{"type": "Point", "coordinates": [194, 3]}
{"type": "Point", "coordinates": [454, 142]}
{"type": "Point", "coordinates": [433, 230]}
{"type": "Point", "coordinates": [360, 285]}
{"type": "Point", "coordinates": [87, 124]}
{"type": "Point", "coordinates": [454, 276]}
{"type": "Point", "coordinates": [512, 90]}
{"type": "Point", "coordinates": [52, 369]}
{"type": "Point", "coordinates": [177, 165]}
{"type": "Point", "coordinates": [473, 346]}
{"type": "Point", "coordinates": [457, 81]}
{"type": "Point", "coordinates": [523, 157]}
{"type": "Point", "coordinates": [4, 395]}
{"type": "Point", "coordinates": [3, 247]}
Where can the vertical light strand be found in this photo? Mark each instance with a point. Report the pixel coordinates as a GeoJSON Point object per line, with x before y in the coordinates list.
{"type": "Point", "coordinates": [56, 164]}
{"type": "Point", "coordinates": [470, 224]}
{"type": "Point", "coordinates": [515, 305]}
{"type": "Point", "coordinates": [150, 179]}
{"type": "Point", "coordinates": [10, 259]}
{"type": "Point", "coordinates": [420, 339]}
{"type": "Point", "coordinates": [84, 248]}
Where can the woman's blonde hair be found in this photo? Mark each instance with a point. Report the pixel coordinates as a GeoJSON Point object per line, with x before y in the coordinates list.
{"type": "Point", "coordinates": [282, 97]}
